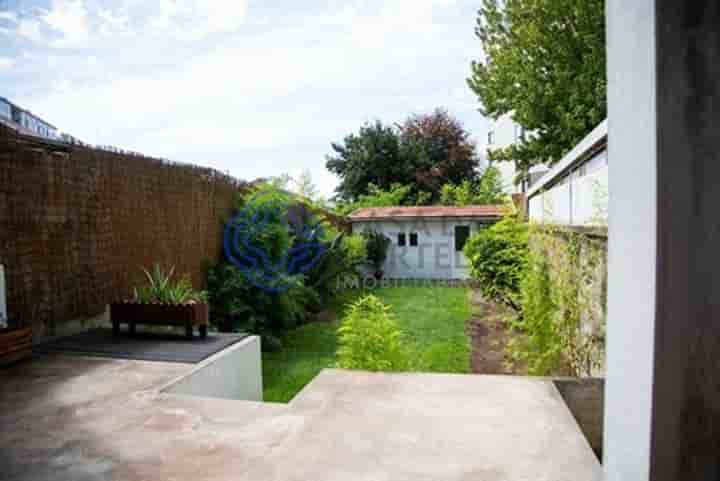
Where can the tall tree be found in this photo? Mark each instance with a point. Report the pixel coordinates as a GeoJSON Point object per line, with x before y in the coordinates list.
{"type": "Point", "coordinates": [442, 150]}
{"type": "Point", "coordinates": [424, 152]}
{"type": "Point", "coordinates": [545, 66]}
{"type": "Point", "coordinates": [372, 156]}
{"type": "Point", "coordinates": [304, 185]}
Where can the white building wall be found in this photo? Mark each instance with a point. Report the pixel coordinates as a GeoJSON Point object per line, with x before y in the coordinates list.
{"type": "Point", "coordinates": [581, 200]}
{"type": "Point", "coordinates": [503, 133]}
{"type": "Point", "coordinates": [5, 110]}
{"type": "Point", "coordinates": [37, 126]}
{"type": "Point", "coordinates": [434, 257]}
{"type": "Point", "coordinates": [578, 198]}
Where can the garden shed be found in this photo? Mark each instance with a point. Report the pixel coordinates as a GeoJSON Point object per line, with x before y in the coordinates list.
{"type": "Point", "coordinates": [426, 242]}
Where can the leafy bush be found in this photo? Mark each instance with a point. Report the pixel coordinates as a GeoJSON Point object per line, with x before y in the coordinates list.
{"type": "Point", "coordinates": [562, 320]}
{"type": "Point", "coordinates": [498, 258]}
{"type": "Point", "coordinates": [396, 194]}
{"type": "Point", "coordinates": [342, 259]}
{"type": "Point", "coordinates": [376, 245]}
{"type": "Point", "coordinates": [487, 190]}
{"type": "Point", "coordinates": [273, 222]}
{"type": "Point", "coordinates": [162, 288]}
{"type": "Point", "coordinates": [369, 338]}
{"type": "Point", "coordinates": [239, 306]}
{"type": "Point", "coordinates": [262, 219]}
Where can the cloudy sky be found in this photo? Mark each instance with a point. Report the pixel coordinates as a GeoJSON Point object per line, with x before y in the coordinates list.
{"type": "Point", "coordinates": [254, 88]}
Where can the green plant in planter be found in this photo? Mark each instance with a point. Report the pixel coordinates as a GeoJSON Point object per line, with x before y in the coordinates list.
{"type": "Point", "coordinates": [376, 246]}
{"type": "Point", "coordinates": [161, 287]}
{"type": "Point", "coordinates": [370, 339]}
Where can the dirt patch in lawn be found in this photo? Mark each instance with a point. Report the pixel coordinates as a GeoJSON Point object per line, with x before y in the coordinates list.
{"type": "Point", "coordinates": [490, 333]}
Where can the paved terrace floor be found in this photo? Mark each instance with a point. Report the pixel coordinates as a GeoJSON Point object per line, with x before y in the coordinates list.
{"type": "Point", "coordinates": [81, 419]}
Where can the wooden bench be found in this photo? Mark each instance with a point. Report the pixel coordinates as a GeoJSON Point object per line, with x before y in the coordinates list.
{"type": "Point", "coordinates": [15, 344]}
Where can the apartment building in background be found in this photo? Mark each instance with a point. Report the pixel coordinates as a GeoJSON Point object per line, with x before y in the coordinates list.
{"type": "Point", "coordinates": [26, 121]}
{"type": "Point", "coordinates": [502, 133]}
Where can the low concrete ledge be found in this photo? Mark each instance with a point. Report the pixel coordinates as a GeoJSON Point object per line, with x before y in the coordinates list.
{"type": "Point", "coordinates": [233, 373]}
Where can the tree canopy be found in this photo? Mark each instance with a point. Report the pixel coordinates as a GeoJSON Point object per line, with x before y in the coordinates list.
{"type": "Point", "coordinates": [441, 149]}
{"type": "Point", "coordinates": [545, 66]}
{"type": "Point", "coordinates": [423, 153]}
{"type": "Point", "coordinates": [304, 186]}
{"type": "Point", "coordinates": [396, 195]}
{"type": "Point", "coordinates": [487, 190]}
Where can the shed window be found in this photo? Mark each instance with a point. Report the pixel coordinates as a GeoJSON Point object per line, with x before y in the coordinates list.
{"type": "Point", "coordinates": [401, 239]}
{"type": "Point", "coordinates": [462, 232]}
{"type": "Point", "coordinates": [413, 239]}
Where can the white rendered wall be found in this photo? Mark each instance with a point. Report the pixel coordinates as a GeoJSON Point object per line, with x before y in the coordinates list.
{"type": "Point", "coordinates": [581, 199]}
{"type": "Point", "coordinates": [632, 127]}
{"type": "Point", "coordinates": [233, 373]}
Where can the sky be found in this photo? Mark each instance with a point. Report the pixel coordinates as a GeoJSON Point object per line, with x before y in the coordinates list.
{"type": "Point", "coordinates": [252, 88]}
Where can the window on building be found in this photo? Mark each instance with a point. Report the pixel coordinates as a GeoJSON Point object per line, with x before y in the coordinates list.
{"type": "Point", "coordinates": [491, 138]}
{"type": "Point", "coordinates": [413, 239]}
{"type": "Point", "coordinates": [462, 232]}
{"type": "Point", "coordinates": [401, 239]}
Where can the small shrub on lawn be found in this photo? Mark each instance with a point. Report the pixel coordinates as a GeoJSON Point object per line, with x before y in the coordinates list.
{"type": "Point", "coordinates": [370, 339]}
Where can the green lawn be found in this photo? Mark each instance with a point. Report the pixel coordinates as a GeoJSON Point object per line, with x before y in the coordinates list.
{"type": "Point", "coordinates": [432, 319]}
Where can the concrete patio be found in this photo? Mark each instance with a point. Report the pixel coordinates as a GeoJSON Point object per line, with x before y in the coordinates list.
{"type": "Point", "coordinates": [78, 419]}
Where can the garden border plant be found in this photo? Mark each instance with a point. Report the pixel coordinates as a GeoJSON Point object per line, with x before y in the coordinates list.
{"type": "Point", "coordinates": [547, 274]}
{"type": "Point", "coordinates": [242, 305]}
{"type": "Point", "coordinates": [498, 258]}
{"type": "Point", "coordinates": [563, 321]}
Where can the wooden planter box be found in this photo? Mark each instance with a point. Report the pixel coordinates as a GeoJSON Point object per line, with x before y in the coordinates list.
{"type": "Point", "coordinates": [186, 315]}
{"type": "Point", "coordinates": [15, 344]}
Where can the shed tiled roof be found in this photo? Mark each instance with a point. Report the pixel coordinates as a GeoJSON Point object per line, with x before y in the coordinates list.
{"type": "Point", "coordinates": [378, 213]}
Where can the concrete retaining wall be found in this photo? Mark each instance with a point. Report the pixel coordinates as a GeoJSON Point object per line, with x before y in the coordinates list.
{"type": "Point", "coordinates": [233, 373]}
{"type": "Point", "coordinates": [586, 400]}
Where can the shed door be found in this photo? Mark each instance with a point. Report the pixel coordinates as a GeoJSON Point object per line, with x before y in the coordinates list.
{"type": "Point", "coordinates": [460, 264]}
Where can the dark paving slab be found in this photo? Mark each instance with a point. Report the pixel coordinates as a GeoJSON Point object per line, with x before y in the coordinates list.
{"type": "Point", "coordinates": [143, 346]}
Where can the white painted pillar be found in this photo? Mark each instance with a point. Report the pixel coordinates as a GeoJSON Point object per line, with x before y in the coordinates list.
{"type": "Point", "coordinates": [662, 417]}
{"type": "Point", "coordinates": [631, 250]}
